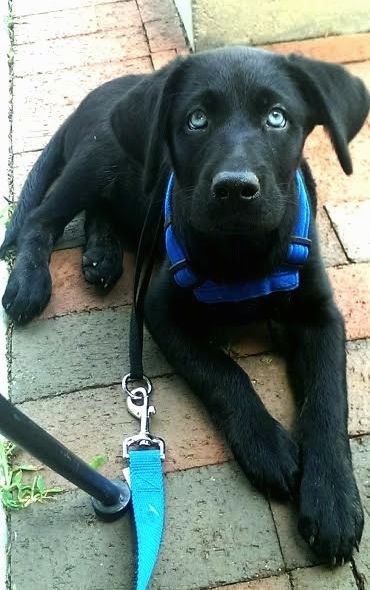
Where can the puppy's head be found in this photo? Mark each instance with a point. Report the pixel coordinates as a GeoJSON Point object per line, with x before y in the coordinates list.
{"type": "Point", "coordinates": [234, 122]}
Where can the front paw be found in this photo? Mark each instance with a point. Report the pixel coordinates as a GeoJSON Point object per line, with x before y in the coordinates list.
{"type": "Point", "coordinates": [270, 459]}
{"type": "Point", "coordinates": [102, 264]}
{"type": "Point", "coordinates": [27, 292]}
{"type": "Point", "coordinates": [331, 517]}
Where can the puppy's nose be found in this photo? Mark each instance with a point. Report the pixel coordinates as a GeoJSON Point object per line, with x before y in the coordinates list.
{"type": "Point", "coordinates": [235, 186]}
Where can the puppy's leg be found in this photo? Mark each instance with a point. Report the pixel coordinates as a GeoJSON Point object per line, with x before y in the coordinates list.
{"type": "Point", "coordinates": [29, 286]}
{"type": "Point", "coordinates": [103, 252]}
{"type": "Point", "coordinates": [331, 516]}
{"type": "Point", "coordinates": [264, 450]}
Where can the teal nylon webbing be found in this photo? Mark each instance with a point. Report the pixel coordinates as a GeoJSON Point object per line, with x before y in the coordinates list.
{"type": "Point", "coordinates": [147, 489]}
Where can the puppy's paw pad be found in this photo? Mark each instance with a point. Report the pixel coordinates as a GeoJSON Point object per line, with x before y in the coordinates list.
{"type": "Point", "coordinates": [102, 267]}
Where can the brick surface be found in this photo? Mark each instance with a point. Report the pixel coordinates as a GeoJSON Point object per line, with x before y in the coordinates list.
{"type": "Point", "coordinates": [351, 285]}
{"type": "Point", "coordinates": [219, 532]}
{"type": "Point", "coordinates": [361, 454]}
{"type": "Point", "coordinates": [332, 184]}
{"type": "Point", "coordinates": [297, 553]}
{"type": "Point", "coordinates": [72, 293]}
{"type": "Point", "coordinates": [274, 583]}
{"type": "Point", "coordinates": [351, 222]}
{"type": "Point", "coordinates": [323, 578]}
{"type": "Point", "coordinates": [157, 9]}
{"type": "Point", "coordinates": [358, 375]}
{"type": "Point", "coordinates": [164, 34]}
{"type": "Point", "coordinates": [22, 164]}
{"type": "Point", "coordinates": [161, 58]}
{"type": "Point", "coordinates": [82, 20]}
{"type": "Point", "coordinates": [343, 49]}
{"type": "Point", "coordinates": [191, 438]}
{"type": "Point", "coordinates": [331, 249]}
{"type": "Point", "coordinates": [47, 56]}
{"type": "Point", "coordinates": [25, 7]}
{"type": "Point", "coordinates": [65, 354]}
{"type": "Point", "coordinates": [42, 102]}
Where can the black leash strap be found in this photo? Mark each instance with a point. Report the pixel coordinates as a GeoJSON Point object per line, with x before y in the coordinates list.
{"type": "Point", "coordinates": [144, 265]}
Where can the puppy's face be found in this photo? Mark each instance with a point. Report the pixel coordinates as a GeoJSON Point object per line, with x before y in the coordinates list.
{"type": "Point", "coordinates": [236, 132]}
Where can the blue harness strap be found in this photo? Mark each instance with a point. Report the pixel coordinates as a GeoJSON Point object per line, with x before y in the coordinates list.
{"type": "Point", "coordinates": [284, 279]}
{"type": "Point", "coordinates": [147, 490]}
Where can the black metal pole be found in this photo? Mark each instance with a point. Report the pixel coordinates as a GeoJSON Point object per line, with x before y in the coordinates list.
{"type": "Point", "coordinates": [110, 498]}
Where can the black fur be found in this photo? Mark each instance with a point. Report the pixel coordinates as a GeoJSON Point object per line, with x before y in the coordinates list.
{"type": "Point", "coordinates": [116, 151]}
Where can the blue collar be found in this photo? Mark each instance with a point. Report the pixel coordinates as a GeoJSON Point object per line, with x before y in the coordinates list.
{"type": "Point", "coordinates": [284, 279]}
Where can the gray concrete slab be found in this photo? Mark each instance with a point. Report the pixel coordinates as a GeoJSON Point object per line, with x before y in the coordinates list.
{"type": "Point", "coordinates": [361, 462]}
{"type": "Point", "coordinates": [64, 354]}
{"type": "Point", "coordinates": [324, 578]}
{"type": "Point", "coordinates": [218, 531]}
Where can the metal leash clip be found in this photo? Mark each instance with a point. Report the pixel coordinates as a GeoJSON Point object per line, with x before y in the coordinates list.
{"type": "Point", "coordinates": [138, 406]}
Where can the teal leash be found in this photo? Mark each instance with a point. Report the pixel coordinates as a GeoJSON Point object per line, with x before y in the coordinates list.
{"type": "Point", "coordinates": [144, 451]}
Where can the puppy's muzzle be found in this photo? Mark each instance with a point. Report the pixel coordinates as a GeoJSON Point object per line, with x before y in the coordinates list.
{"type": "Point", "coordinates": [235, 186]}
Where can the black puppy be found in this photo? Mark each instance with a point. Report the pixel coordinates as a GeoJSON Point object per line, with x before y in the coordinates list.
{"type": "Point", "coordinates": [241, 244]}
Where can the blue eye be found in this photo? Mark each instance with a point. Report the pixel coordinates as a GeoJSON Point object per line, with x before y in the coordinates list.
{"type": "Point", "coordinates": [276, 118]}
{"type": "Point", "coordinates": [197, 120]}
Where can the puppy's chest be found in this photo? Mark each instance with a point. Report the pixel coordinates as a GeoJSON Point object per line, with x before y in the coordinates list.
{"type": "Point", "coordinates": [270, 307]}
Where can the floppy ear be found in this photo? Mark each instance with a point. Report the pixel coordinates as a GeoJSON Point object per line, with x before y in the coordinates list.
{"type": "Point", "coordinates": [339, 101]}
{"type": "Point", "coordinates": [159, 138]}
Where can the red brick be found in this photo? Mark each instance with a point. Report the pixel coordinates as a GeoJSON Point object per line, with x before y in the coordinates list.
{"type": "Point", "coordinates": [268, 375]}
{"type": "Point", "coordinates": [78, 21]}
{"type": "Point", "coordinates": [249, 340]}
{"type": "Point", "coordinates": [161, 58]}
{"type": "Point", "coordinates": [22, 164]}
{"type": "Point", "coordinates": [342, 49]}
{"type": "Point", "coordinates": [98, 48]}
{"type": "Point", "coordinates": [25, 7]}
{"type": "Point", "coordinates": [331, 248]}
{"type": "Point", "coordinates": [332, 184]}
{"type": "Point", "coordinates": [351, 222]}
{"type": "Point", "coordinates": [71, 293]}
{"type": "Point", "coordinates": [274, 583]}
{"type": "Point", "coordinates": [42, 102]}
{"type": "Point", "coordinates": [157, 9]}
{"type": "Point", "coordinates": [164, 35]}
{"type": "Point", "coordinates": [358, 377]}
{"type": "Point", "coordinates": [352, 292]}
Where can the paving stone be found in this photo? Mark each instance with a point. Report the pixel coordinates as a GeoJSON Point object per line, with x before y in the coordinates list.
{"type": "Point", "coordinates": [95, 422]}
{"type": "Point", "coordinates": [71, 292]}
{"type": "Point", "coordinates": [25, 7]}
{"type": "Point", "coordinates": [73, 235]}
{"type": "Point", "coordinates": [331, 249]}
{"type": "Point", "coordinates": [249, 340]}
{"type": "Point", "coordinates": [161, 58]}
{"type": "Point", "coordinates": [43, 101]}
{"type": "Point", "coordinates": [296, 552]}
{"type": "Point", "coordinates": [323, 578]}
{"type": "Point", "coordinates": [333, 185]}
{"type": "Point", "coordinates": [361, 462]}
{"type": "Point", "coordinates": [343, 49]}
{"type": "Point", "coordinates": [358, 376]}
{"type": "Point", "coordinates": [351, 222]}
{"type": "Point", "coordinates": [165, 34]}
{"type": "Point", "coordinates": [81, 20]}
{"type": "Point", "coordinates": [351, 285]}
{"type": "Point", "coordinates": [217, 531]}
{"type": "Point", "coordinates": [48, 56]}
{"type": "Point", "coordinates": [59, 355]}
{"type": "Point", "coordinates": [268, 375]}
{"type": "Point", "coordinates": [273, 583]}
{"type": "Point", "coordinates": [22, 164]}
{"type": "Point", "coordinates": [157, 9]}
